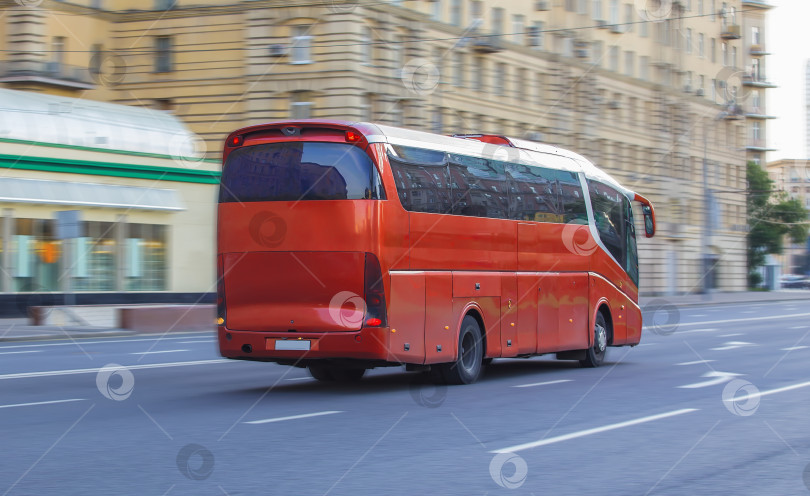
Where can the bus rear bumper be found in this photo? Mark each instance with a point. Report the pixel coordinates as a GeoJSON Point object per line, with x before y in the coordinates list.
{"type": "Point", "coordinates": [366, 344]}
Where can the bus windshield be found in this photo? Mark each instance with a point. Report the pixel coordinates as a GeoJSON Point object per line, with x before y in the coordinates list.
{"type": "Point", "coordinates": [293, 171]}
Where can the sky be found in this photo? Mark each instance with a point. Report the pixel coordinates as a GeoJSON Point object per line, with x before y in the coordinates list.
{"type": "Point", "coordinates": [786, 38]}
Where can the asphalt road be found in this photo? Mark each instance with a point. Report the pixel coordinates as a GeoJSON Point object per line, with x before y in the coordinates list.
{"type": "Point", "coordinates": [660, 418]}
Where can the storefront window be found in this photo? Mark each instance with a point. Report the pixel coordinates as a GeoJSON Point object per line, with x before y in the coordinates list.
{"type": "Point", "coordinates": [35, 256]}
{"type": "Point", "coordinates": [145, 256]}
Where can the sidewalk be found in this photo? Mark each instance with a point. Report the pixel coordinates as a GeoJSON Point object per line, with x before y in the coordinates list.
{"type": "Point", "coordinates": [20, 329]}
{"type": "Point", "coordinates": [726, 298]}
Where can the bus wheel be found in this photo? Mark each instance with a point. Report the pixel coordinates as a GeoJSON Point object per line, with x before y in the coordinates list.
{"type": "Point", "coordinates": [467, 367]}
{"type": "Point", "coordinates": [321, 373]}
{"type": "Point", "coordinates": [326, 373]}
{"type": "Point", "coordinates": [348, 375]}
{"type": "Point", "coordinates": [595, 355]}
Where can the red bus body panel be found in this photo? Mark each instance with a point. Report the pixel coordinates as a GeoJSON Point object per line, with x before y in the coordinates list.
{"type": "Point", "coordinates": [285, 262]}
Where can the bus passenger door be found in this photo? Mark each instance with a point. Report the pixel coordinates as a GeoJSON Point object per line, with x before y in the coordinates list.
{"type": "Point", "coordinates": [574, 323]}
{"type": "Point", "coordinates": [406, 316]}
{"type": "Point", "coordinates": [509, 315]}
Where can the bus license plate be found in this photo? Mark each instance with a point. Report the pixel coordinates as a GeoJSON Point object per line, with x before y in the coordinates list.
{"type": "Point", "coordinates": [292, 344]}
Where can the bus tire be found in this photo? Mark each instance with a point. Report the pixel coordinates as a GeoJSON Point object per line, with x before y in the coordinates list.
{"type": "Point", "coordinates": [595, 355]}
{"type": "Point", "coordinates": [321, 373]}
{"type": "Point", "coordinates": [326, 373]}
{"type": "Point", "coordinates": [469, 363]}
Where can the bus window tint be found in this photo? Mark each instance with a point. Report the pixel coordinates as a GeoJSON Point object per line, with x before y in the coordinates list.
{"type": "Point", "coordinates": [572, 197]}
{"type": "Point", "coordinates": [421, 177]}
{"type": "Point", "coordinates": [534, 194]}
{"type": "Point", "coordinates": [299, 171]}
{"type": "Point", "coordinates": [479, 187]}
{"type": "Point", "coordinates": [610, 217]}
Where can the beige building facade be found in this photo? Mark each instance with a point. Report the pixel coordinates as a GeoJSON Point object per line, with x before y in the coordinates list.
{"type": "Point", "coordinates": [650, 91]}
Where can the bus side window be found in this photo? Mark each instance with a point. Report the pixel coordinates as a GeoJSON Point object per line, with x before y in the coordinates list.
{"type": "Point", "coordinates": [533, 194]}
{"type": "Point", "coordinates": [421, 178]}
{"type": "Point", "coordinates": [479, 187]}
{"type": "Point", "coordinates": [609, 214]}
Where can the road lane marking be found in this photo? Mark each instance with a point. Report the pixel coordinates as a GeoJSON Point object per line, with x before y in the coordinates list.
{"type": "Point", "coordinates": [732, 345]}
{"type": "Point", "coordinates": [769, 392]}
{"type": "Point", "coordinates": [299, 379]}
{"type": "Point", "coordinates": [42, 403]}
{"type": "Point", "coordinates": [715, 377]}
{"type": "Point", "coordinates": [16, 352]}
{"type": "Point", "coordinates": [794, 348]}
{"type": "Point", "coordinates": [543, 383]}
{"type": "Point", "coordinates": [695, 362]}
{"type": "Point", "coordinates": [156, 352]}
{"type": "Point", "coordinates": [697, 330]}
{"type": "Point", "coordinates": [201, 341]}
{"type": "Point", "coordinates": [747, 319]}
{"type": "Point", "coordinates": [595, 430]}
{"type": "Point", "coordinates": [800, 327]}
{"type": "Point", "coordinates": [24, 375]}
{"type": "Point", "coordinates": [71, 343]}
{"type": "Point", "coordinates": [731, 335]}
{"type": "Point", "coordinates": [699, 315]}
{"type": "Point", "coordinates": [293, 417]}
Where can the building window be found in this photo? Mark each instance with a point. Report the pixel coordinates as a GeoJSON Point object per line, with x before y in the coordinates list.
{"type": "Point", "coordinates": [700, 7]}
{"type": "Point", "coordinates": [714, 50]}
{"type": "Point", "coordinates": [756, 101]}
{"type": "Point", "coordinates": [614, 11]}
{"type": "Point", "coordinates": [58, 49]}
{"type": "Point", "coordinates": [536, 35]}
{"type": "Point", "coordinates": [701, 46]}
{"type": "Point", "coordinates": [644, 68]}
{"type": "Point", "coordinates": [755, 39]}
{"type": "Point", "coordinates": [164, 4]}
{"type": "Point", "coordinates": [582, 7]}
{"type": "Point", "coordinates": [518, 23]}
{"type": "Point", "coordinates": [97, 51]}
{"type": "Point", "coordinates": [724, 51]}
{"type": "Point", "coordinates": [520, 84]}
{"type": "Point", "coordinates": [756, 132]}
{"type": "Point", "coordinates": [500, 79]}
{"type": "Point", "coordinates": [301, 105]}
{"type": "Point", "coordinates": [301, 45]}
{"type": "Point", "coordinates": [163, 54]}
{"type": "Point", "coordinates": [455, 12]}
{"type": "Point", "coordinates": [570, 5]}
{"type": "Point", "coordinates": [598, 53]}
{"type": "Point", "coordinates": [145, 257]}
{"type": "Point", "coordinates": [497, 21]}
{"type": "Point", "coordinates": [688, 40]}
{"type": "Point", "coordinates": [628, 18]}
{"type": "Point", "coordinates": [476, 9]}
{"type": "Point", "coordinates": [436, 121]}
{"type": "Point", "coordinates": [597, 10]}
{"type": "Point", "coordinates": [629, 64]}
{"type": "Point", "coordinates": [480, 70]}
{"type": "Point", "coordinates": [643, 30]}
{"type": "Point", "coordinates": [539, 88]}
{"type": "Point", "coordinates": [458, 69]}
{"type": "Point", "coordinates": [614, 59]}
{"type": "Point", "coordinates": [437, 10]}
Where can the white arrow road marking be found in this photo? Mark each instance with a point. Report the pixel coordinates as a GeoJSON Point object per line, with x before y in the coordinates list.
{"type": "Point", "coordinates": [695, 362]}
{"type": "Point", "coordinates": [717, 377]}
{"type": "Point", "coordinates": [732, 345]}
{"type": "Point", "coordinates": [794, 348]}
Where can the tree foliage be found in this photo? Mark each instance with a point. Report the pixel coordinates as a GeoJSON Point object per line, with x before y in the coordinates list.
{"type": "Point", "coordinates": [772, 215]}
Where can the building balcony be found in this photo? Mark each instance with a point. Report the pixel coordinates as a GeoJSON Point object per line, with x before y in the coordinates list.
{"type": "Point", "coordinates": [758, 145]}
{"type": "Point", "coordinates": [762, 4]}
{"type": "Point", "coordinates": [487, 43]}
{"type": "Point", "coordinates": [758, 50]}
{"type": "Point", "coordinates": [48, 74]}
{"type": "Point", "coordinates": [757, 113]}
{"type": "Point", "coordinates": [731, 32]}
{"type": "Point", "coordinates": [756, 81]}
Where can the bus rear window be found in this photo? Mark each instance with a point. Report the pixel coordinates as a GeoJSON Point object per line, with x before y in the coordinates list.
{"type": "Point", "coordinates": [299, 170]}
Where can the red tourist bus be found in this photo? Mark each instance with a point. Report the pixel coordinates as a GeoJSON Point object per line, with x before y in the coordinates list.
{"type": "Point", "coordinates": [346, 246]}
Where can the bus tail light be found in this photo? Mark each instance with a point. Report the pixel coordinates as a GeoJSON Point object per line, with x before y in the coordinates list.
{"type": "Point", "coordinates": [353, 137]}
{"type": "Point", "coordinates": [236, 141]}
{"type": "Point", "coordinates": [374, 293]}
{"type": "Point", "coordinates": [220, 291]}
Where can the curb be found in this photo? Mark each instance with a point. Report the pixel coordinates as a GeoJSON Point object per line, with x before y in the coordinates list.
{"type": "Point", "coordinates": [715, 303]}
{"type": "Point", "coordinates": [66, 336]}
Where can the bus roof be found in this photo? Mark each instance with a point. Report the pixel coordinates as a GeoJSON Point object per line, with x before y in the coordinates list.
{"type": "Point", "coordinates": [514, 149]}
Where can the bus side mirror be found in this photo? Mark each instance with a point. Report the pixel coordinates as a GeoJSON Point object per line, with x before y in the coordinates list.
{"type": "Point", "coordinates": [649, 221]}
